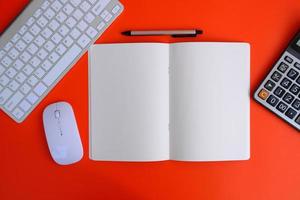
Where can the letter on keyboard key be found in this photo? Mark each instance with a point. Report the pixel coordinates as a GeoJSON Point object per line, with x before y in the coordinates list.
{"type": "Point", "coordinates": [83, 41]}
{"type": "Point", "coordinates": [62, 65]}
{"type": "Point", "coordinates": [40, 89]}
{"type": "Point", "coordinates": [13, 101]}
{"type": "Point", "coordinates": [4, 95]}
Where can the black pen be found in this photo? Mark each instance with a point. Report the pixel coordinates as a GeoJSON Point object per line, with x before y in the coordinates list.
{"type": "Point", "coordinates": [173, 33]}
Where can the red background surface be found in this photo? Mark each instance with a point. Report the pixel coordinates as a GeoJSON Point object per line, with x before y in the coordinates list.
{"type": "Point", "coordinates": [273, 172]}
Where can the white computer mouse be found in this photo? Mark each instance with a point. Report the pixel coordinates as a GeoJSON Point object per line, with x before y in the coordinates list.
{"type": "Point", "coordinates": [62, 133]}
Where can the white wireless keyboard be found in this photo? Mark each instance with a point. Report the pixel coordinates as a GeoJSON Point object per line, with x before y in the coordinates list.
{"type": "Point", "coordinates": [43, 43]}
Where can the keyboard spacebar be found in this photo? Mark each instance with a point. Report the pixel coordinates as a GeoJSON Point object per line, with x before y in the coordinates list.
{"type": "Point", "coordinates": [62, 65]}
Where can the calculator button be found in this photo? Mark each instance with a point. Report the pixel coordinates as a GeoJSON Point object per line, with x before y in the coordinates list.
{"type": "Point", "coordinates": [288, 98]}
{"type": "Point", "coordinates": [282, 107]}
{"type": "Point", "coordinates": [295, 89]}
{"type": "Point", "coordinates": [286, 83]}
{"type": "Point", "coordinates": [276, 76]}
{"type": "Point", "coordinates": [288, 59]}
{"type": "Point", "coordinates": [270, 85]}
{"type": "Point", "coordinates": [272, 100]}
{"type": "Point", "coordinates": [298, 120]}
{"type": "Point", "coordinates": [293, 74]}
{"type": "Point", "coordinates": [296, 104]}
{"type": "Point", "coordinates": [263, 94]}
{"type": "Point", "coordinates": [283, 67]}
{"type": "Point", "coordinates": [298, 80]}
{"type": "Point", "coordinates": [297, 65]}
{"type": "Point", "coordinates": [291, 113]}
{"type": "Point", "coordinates": [279, 91]}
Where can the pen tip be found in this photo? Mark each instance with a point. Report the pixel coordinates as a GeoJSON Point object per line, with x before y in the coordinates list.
{"type": "Point", "coordinates": [199, 31]}
{"type": "Point", "coordinates": [127, 33]}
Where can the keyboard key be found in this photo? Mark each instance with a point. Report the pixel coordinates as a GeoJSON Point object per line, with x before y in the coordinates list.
{"type": "Point", "coordinates": [78, 14]}
{"type": "Point", "coordinates": [32, 48]}
{"type": "Point", "coordinates": [263, 94]}
{"type": "Point", "coordinates": [83, 41]}
{"type": "Point", "coordinates": [4, 95]}
{"type": "Point", "coordinates": [297, 65]}
{"type": "Point", "coordinates": [68, 9]}
{"type": "Point", "coordinates": [32, 98]}
{"type": "Point", "coordinates": [53, 25]}
{"type": "Point", "coordinates": [37, 13]}
{"type": "Point", "coordinates": [104, 14]}
{"type": "Point", "coordinates": [30, 21]}
{"type": "Point", "coordinates": [25, 88]}
{"type": "Point", "coordinates": [49, 46]}
{"type": "Point", "coordinates": [92, 1]}
{"type": "Point", "coordinates": [39, 73]}
{"type": "Point", "coordinates": [8, 46]}
{"type": "Point", "coordinates": [42, 54]}
{"type": "Point", "coordinates": [89, 17]}
{"type": "Point", "coordinates": [61, 49]}
{"type": "Point", "coordinates": [35, 62]}
{"type": "Point", "coordinates": [39, 41]}
{"type": "Point", "coordinates": [91, 32]}
{"type": "Point", "coordinates": [296, 104]}
{"type": "Point", "coordinates": [53, 57]}
{"type": "Point", "coordinates": [2, 53]}
{"type": "Point", "coordinates": [15, 38]}
{"type": "Point", "coordinates": [46, 65]}
{"type": "Point", "coordinates": [75, 2]}
{"type": "Point", "coordinates": [282, 107]}
{"type": "Point", "coordinates": [63, 30]}
{"type": "Point", "coordinates": [99, 6]}
{"type": "Point", "coordinates": [49, 13]}
{"type": "Point", "coordinates": [82, 25]}
{"type": "Point", "coordinates": [18, 64]}
{"type": "Point", "coordinates": [288, 59]}
{"type": "Point", "coordinates": [61, 17]}
{"type": "Point", "coordinates": [85, 6]}
{"type": "Point", "coordinates": [292, 74]}
{"type": "Point", "coordinates": [42, 21]}
{"type": "Point", "coordinates": [291, 113]}
{"type": "Point", "coordinates": [75, 33]}
{"type": "Point", "coordinates": [18, 113]}
{"type": "Point", "coordinates": [100, 26]}
{"type": "Point", "coordinates": [270, 85]}
{"type": "Point", "coordinates": [11, 72]}
{"type": "Point", "coordinates": [6, 61]}
{"type": "Point", "coordinates": [23, 30]}
{"type": "Point", "coordinates": [56, 5]}
{"type": "Point", "coordinates": [288, 98]}
{"type": "Point", "coordinates": [25, 56]}
{"type": "Point", "coordinates": [295, 89]}
{"type": "Point", "coordinates": [276, 76]}
{"type": "Point", "coordinates": [283, 67]}
{"type": "Point", "coordinates": [68, 41]}
{"type": "Point", "coordinates": [116, 9]}
{"type": "Point", "coordinates": [56, 38]}
{"type": "Point", "coordinates": [32, 80]}
{"type": "Point", "coordinates": [286, 83]}
{"type": "Point", "coordinates": [4, 80]}
{"type": "Point", "coordinates": [71, 22]}
{"type": "Point", "coordinates": [2, 69]}
{"type": "Point", "coordinates": [45, 5]}
{"type": "Point", "coordinates": [35, 30]}
{"type": "Point", "coordinates": [28, 70]}
{"type": "Point", "coordinates": [46, 33]}
{"type": "Point", "coordinates": [108, 17]}
{"type": "Point", "coordinates": [272, 100]}
{"type": "Point", "coordinates": [13, 85]}
{"type": "Point", "coordinates": [40, 89]}
{"type": "Point", "coordinates": [24, 105]}
{"type": "Point", "coordinates": [13, 101]}
{"type": "Point", "coordinates": [21, 77]}
{"type": "Point", "coordinates": [62, 65]}
{"type": "Point", "coordinates": [13, 53]}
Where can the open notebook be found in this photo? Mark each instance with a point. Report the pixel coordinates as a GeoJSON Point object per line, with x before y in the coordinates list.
{"type": "Point", "coordinates": [181, 101]}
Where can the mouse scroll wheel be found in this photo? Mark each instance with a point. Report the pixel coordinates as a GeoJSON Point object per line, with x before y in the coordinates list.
{"type": "Point", "coordinates": [57, 114]}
